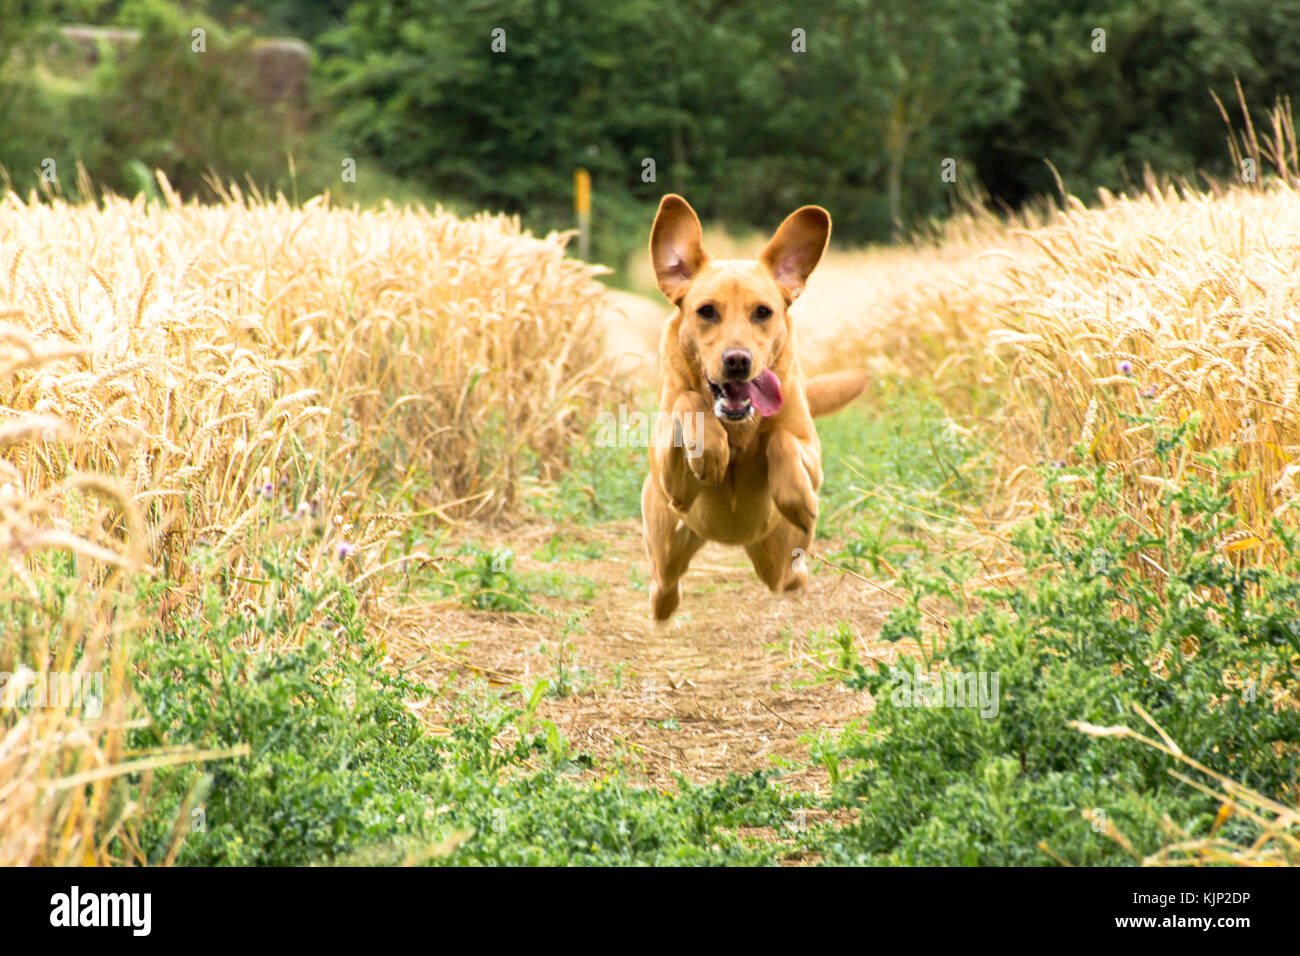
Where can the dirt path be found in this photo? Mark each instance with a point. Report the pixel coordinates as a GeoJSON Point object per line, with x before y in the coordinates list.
{"type": "Point", "coordinates": [734, 683]}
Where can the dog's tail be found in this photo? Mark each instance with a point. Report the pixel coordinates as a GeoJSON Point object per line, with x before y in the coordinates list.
{"type": "Point", "coordinates": [832, 391]}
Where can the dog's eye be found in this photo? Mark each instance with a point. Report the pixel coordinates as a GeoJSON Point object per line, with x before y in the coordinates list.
{"type": "Point", "coordinates": [707, 312]}
{"type": "Point", "coordinates": [762, 312]}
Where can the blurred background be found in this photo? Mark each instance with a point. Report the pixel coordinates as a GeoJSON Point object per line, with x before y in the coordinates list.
{"type": "Point", "coordinates": [747, 108]}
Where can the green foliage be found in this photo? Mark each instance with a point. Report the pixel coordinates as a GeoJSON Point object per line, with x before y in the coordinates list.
{"type": "Point", "coordinates": [601, 484]}
{"type": "Point", "coordinates": [547, 821]}
{"type": "Point", "coordinates": [568, 677]}
{"type": "Point", "coordinates": [892, 463]}
{"type": "Point", "coordinates": [559, 548]}
{"type": "Point", "coordinates": [199, 109]}
{"type": "Point", "coordinates": [23, 24]}
{"type": "Point", "coordinates": [151, 104]}
{"type": "Point", "coordinates": [300, 18]}
{"type": "Point", "coordinates": [898, 76]}
{"type": "Point", "coordinates": [579, 85]}
{"type": "Point", "coordinates": [1088, 636]}
{"type": "Point", "coordinates": [487, 581]}
{"type": "Point", "coordinates": [859, 119]}
{"type": "Point", "coordinates": [1102, 117]}
{"type": "Point", "coordinates": [336, 759]}
{"type": "Point", "coordinates": [748, 127]}
{"type": "Point", "coordinates": [341, 771]}
{"type": "Point", "coordinates": [160, 104]}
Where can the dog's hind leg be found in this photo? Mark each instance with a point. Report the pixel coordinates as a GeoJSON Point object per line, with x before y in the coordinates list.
{"type": "Point", "coordinates": [670, 545]}
{"type": "Point", "coordinates": [781, 558]}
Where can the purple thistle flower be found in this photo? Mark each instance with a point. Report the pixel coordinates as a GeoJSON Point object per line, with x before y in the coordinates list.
{"type": "Point", "coordinates": [1126, 367]}
{"type": "Point", "coordinates": [346, 551]}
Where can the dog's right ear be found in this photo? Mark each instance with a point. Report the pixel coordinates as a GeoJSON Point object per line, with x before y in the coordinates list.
{"type": "Point", "coordinates": [675, 246]}
{"type": "Point", "coordinates": [793, 253]}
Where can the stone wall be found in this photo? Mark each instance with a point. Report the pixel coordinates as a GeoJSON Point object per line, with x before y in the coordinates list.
{"type": "Point", "coordinates": [280, 71]}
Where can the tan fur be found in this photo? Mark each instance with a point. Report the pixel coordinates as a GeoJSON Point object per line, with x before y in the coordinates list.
{"type": "Point", "coordinates": [754, 483]}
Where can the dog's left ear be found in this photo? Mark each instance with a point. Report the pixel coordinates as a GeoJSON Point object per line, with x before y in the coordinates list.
{"type": "Point", "coordinates": [676, 250]}
{"type": "Point", "coordinates": [795, 250]}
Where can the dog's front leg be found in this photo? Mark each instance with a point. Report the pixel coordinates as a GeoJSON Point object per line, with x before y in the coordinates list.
{"type": "Point", "coordinates": [692, 451]}
{"type": "Point", "coordinates": [794, 473]}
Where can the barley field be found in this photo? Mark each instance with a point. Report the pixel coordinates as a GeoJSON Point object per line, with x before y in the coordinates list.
{"type": "Point", "coordinates": [268, 431]}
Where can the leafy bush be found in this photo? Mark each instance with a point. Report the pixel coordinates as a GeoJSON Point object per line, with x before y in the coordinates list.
{"type": "Point", "coordinates": [190, 114]}
{"type": "Point", "coordinates": [1209, 650]}
{"type": "Point", "coordinates": [888, 461]}
{"type": "Point", "coordinates": [340, 770]}
{"type": "Point", "coordinates": [154, 103]}
{"type": "Point", "coordinates": [860, 119]}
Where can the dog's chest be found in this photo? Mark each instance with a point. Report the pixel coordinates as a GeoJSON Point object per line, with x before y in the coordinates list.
{"type": "Point", "coordinates": [740, 509]}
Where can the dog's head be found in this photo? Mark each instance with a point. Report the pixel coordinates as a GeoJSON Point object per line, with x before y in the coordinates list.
{"type": "Point", "coordinates": [734, 321]}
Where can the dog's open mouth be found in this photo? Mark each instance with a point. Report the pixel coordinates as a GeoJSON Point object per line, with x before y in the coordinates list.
{"type": "Point", "coordinates": [736, 401]}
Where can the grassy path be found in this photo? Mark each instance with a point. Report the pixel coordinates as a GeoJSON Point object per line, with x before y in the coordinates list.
{"type": "Point", "coordinates": [732, 684]}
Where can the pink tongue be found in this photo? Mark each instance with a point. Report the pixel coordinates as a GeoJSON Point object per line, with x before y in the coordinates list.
{"type": "Point", "coordinates": [764, 393]}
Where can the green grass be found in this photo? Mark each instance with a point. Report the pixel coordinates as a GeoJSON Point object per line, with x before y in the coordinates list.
{"type": "Point", "coordinates": [601, 484]}
{"type": "Point", "coordinates": [1085, 637]}
{"type": "Point", "coordinates": [893, 463]}
{"type": "Point", "coordinates": [486, 579]}
{"type": "Point", "coordinates": [559, 583]}
{"type": "Point", "coordinates": [557, 549]}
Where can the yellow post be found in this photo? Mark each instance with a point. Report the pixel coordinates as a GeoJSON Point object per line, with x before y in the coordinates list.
{"type": "Point", "coordinates": [582, 204]}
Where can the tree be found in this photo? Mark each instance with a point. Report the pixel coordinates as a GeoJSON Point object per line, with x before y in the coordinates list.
{"type": "Point", "coordinates": [929, 69]}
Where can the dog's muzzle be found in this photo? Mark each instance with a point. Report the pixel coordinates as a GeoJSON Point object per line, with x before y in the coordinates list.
{"type": "Point", "coordinates": [736, 401]}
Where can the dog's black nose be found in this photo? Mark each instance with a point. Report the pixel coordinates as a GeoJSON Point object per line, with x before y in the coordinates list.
{"type": "Point", "coordinates": [735, 362]}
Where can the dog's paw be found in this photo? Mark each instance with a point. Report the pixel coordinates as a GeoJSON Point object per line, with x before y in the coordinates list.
{"type": "Point", "coordinates": [710, 467]}
{"type": "Point", "coordinates": [703, 444]}
{"type": "Point", "coordinates": [664, 601]}
{"type": "Point", "coordinates": [795, 581]}
{"type": "Point", "coordinates": [798, 506]}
